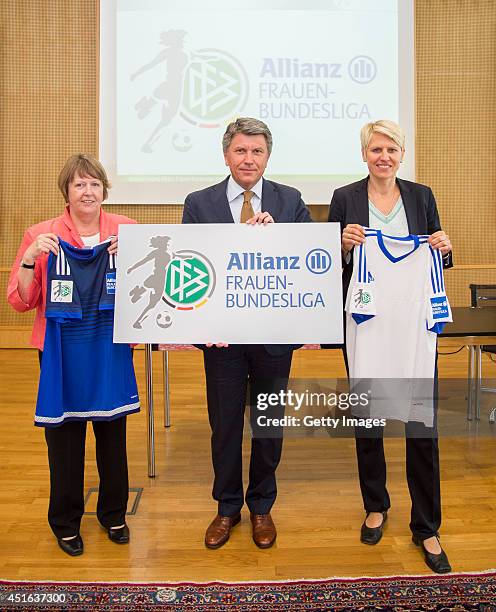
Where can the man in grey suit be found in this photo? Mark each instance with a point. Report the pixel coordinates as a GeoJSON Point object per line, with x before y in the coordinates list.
{"type": "Point", "coordinates": [244, 197]}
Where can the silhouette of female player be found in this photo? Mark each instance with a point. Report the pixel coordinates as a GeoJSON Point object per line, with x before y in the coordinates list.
{"type": "Point", "coordinates": [169, 92]}
{"type": "Point", "coordinates": [161, 257]}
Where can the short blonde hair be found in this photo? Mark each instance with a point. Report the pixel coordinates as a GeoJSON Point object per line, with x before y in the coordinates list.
{"type": "Point", "coordinates": [383, 126]}
{"type": "Point", "coordinates": [83, 165]}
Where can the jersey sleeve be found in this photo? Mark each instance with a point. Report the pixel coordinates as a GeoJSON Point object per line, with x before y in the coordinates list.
{"type": "Point", "coordinates": [438, 310]}
{"type": "Point", "coordinates": [360, 301]}
{"type": "Point", "coordinates": [62, 299]}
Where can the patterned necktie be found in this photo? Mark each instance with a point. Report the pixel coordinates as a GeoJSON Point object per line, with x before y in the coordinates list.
{"type": "Point", "coordinates": [247, 209]}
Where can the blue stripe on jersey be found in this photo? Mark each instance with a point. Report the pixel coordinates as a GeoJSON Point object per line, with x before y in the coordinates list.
{"type": "Point", "coordinates": [440, 268]}
{"type": "Point", "coordinates": [360, 259]}
{"type": "Point", "coordinates": [364, 279]}
{"type": "Point", "coordinates": [434, 282]}
{"type": "Point", "coordinates": [62, 315]}
{"type": "Point", "coordinates": [370, 232]}
{"type": "Point", "coordinates": [437, 277]}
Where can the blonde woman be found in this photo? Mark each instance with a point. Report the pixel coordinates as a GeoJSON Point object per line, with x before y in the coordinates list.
{"type": "Point", "coordinates": [397, 207]}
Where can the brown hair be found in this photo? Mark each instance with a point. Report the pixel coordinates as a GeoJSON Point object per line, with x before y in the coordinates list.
{"type": "Point", "coordinates": [83, 165]}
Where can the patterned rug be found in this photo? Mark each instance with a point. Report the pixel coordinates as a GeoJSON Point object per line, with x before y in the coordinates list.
{"type": "Point", "coordinates": [455, 592]}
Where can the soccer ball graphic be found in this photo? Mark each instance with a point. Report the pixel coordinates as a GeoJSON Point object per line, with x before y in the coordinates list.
{"type": "Point", "coordinates": [164, 319]}
{"type": "Point", "coordinates": [181, 141]}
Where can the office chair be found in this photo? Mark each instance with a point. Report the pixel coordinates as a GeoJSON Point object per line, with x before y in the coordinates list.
{"type": "Point", "coordinates": [484, 296]}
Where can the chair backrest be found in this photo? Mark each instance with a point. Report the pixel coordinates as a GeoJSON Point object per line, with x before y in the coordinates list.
{"type": "Point", "coordinates": [483, 296]}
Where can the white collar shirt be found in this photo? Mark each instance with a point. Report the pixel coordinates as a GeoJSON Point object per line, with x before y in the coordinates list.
{"type": "Point", "coordinates": [234, 193]}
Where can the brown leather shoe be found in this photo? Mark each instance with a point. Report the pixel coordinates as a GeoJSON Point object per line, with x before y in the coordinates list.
{"type": "Point", "coordinates": [264, 530]}
{"type": "Point", "coordinates": [219, 530]}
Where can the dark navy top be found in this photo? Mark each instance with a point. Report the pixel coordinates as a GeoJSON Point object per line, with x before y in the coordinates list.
{"type": "Point", "coordinates": [84, 375]}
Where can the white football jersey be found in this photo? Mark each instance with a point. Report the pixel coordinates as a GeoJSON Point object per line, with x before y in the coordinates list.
{"type": "Point", "coordinates": [395, 307]}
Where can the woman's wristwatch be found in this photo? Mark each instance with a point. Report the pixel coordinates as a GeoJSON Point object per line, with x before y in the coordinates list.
{"type": "Point", "coordinates": [28, 266]}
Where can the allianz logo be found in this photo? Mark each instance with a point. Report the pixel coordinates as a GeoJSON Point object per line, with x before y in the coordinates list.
{"type": "Point", "coordinates": [289, 67]}
{"type": "Point", "coordinates": [258, 261]}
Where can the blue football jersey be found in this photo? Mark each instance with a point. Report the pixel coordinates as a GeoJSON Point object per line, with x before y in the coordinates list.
{"type": "Point", "coordinates": [84, 375]}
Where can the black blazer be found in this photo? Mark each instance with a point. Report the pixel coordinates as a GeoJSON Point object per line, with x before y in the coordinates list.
{"type": "Point", "coordinates": [350, 204]}
{"type": "Point", "coordinates": [284, 203]}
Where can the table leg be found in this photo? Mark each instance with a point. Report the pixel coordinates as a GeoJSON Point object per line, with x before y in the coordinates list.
{"type": "Point", "coordinates": [478, 380]}
{"type": "Point", "coordinates": [470, 383]}
{"type": "Point", "coordinates": [166, 389]}
{"type": "Point", "coordinates": [149, 410]}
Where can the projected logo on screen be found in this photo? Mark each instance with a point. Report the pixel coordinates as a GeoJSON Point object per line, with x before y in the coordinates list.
{"type": "Point", "coordinates": [362, 69]}
{"type": "Point", "coordinates": [190, 280]}
{"type": "Point", "coordinates": [215, 87]}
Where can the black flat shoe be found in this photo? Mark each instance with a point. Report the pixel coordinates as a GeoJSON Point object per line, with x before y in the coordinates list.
{"type": "Point", "coordinates": [372, 535]}
{"type": "Point", "coordinates": [437, 563]}
{"type": "Point", "coordinates": [73, 547]}
{"type": "Point", "coordinates": [120, 535]}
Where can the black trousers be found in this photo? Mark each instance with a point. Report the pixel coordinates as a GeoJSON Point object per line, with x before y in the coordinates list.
{"type": "Point", "coordinates": [422, 472]}
{"type": "Point", "coordinates": [228, 371]}
{"type": "Point", "coordinates": [66, 452]}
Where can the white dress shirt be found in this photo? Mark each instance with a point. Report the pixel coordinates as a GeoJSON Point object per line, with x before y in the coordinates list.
{"type": "Point", "coordinates": [235, 198]}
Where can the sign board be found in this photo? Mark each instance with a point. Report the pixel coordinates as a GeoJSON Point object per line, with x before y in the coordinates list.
{"type": "Point", "coordinates": [241, 284]}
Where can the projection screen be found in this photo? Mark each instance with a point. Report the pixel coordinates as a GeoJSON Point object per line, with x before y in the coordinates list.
{"type": "Point", "coordinates": [174, 73]}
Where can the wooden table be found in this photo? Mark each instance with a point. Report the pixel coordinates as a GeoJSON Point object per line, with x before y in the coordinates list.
{"type": "Point", "coordinates": [472, 327]}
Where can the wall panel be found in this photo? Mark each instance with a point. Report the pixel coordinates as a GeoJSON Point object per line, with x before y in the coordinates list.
{"type": "Point", "coordinates": [48, 110]}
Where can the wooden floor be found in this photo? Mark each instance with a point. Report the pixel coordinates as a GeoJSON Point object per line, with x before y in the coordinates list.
{"type": "Point", "coordinates": [318, 511]}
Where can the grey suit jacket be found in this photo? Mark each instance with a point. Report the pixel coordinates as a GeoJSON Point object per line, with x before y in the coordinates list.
{"type": "Point", "coordinates": [284, 203]}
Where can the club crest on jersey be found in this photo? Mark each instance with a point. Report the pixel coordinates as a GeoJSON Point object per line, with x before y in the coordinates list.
{"type": "Point", "coordinates": [61, 291]}
{"type": "Point", "coordinates": [362, 299]}
{"type": "Point", "coordinates": [110, 283]}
